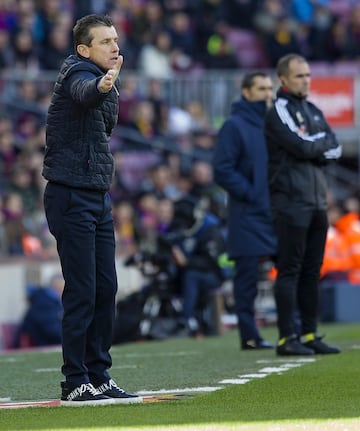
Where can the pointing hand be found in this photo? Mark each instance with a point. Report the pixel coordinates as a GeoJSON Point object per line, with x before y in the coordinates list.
{"type": "Point", "coordinates": [107, 81]}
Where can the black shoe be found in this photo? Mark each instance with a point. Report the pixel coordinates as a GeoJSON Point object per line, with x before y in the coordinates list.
{"type": "Point", "coordinates": [118, 395]}
{"type": "Point", "coordinates": [320, 347]}
{"type": "Point", "coordinates": [291, 346]}
{"type": "Point", "coordinates": [82, 395]}
{"type": "Point", "coordinates": [256, 345]}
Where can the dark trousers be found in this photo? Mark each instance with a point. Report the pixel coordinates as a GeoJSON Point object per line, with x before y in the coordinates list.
{"type": "Point", "coordinates": [81, 221]}
{"type": "Point", "coordinates": [194, 284]}
{"type": "Point", "coordinates": [245, 291]}
{"type": "Point", "coordinates": [299, 259]}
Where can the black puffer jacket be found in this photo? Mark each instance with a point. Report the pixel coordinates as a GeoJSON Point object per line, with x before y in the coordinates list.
{"type": "Point", "coordinates": [298, 139]}
{"type": "Point", "coordinates": [79, 124]}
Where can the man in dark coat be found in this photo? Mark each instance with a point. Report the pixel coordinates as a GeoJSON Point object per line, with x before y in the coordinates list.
{"type": "Point", "coordinates": [240, 167]}
{"type": "Point", "coordinates": [79, 168]}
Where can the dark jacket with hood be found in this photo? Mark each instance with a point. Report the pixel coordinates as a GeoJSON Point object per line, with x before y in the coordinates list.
{"type": "Point", "coordinates": [79, 124]}
{"type": "Point", "coordinates": [298, 139]}
{"type": "Point", "coordinates": [240, 167]}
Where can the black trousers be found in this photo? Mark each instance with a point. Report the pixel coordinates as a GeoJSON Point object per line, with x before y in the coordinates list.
{"type": "Point", "coordinates": [81, 221]}
{"type": "Point", "coordinates": [299, 259]}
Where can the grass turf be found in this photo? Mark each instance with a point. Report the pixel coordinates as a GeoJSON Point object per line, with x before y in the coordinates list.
{"type": "Point", "coordinates": [323, 390]}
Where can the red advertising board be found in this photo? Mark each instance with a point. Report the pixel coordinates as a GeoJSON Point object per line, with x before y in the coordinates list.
{"type": "Point", "coordinates": [335, 97]}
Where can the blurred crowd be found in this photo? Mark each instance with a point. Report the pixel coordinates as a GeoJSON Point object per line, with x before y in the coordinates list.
{"type": "Point", "coordinates": [162, 152]}
{"type": "Point", "coordinates": [163, 37]}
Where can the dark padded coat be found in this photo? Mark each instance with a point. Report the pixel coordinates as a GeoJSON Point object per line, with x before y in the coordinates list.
{"type": "Point", "coordinates": [240, 167]}
{"type": "Point", "coordinates": [80, 156]}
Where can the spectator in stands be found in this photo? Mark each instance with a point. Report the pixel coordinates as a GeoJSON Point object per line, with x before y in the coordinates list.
{"type": "Point", "coordinates": [165, 213]}
{"type": "Point", "coordinates": [199, 116]}
{"type": "Point", "coordinates": [203, 186]}
{"type": "Point", "coordinates": [282, 40]}
{"type": "Point", "coordinates": [155, 94]}
{"type": "Point", "coordinates": [8, 157]}
{"type": "Point", "coordinates": [13, 223]}
{"type": "Point", "coordinates": [142, 120]}
{"type": "Point", "coordinates": [240, 14]}
{"type": "Point", "coordinates": [219, 54]}
{"type": "Point", "coordinates": [148, 21]}
{"type": "Point", "coordinates": [203, 143]}
{"type": "Point", "coordinates": [147, 221]}
{"type": "Point", "coordinates": [207, 18]}
{"type": "Point", "coordinates": [125, 228]}
{"type": "Point", "coordinates": [56, 49]}
{"type": "Point", "coordinates": [240, 167]}
{"type": "Point", "coordinates": [25, 55]}
{"type": "Point", "coordinates": [181, 33]}
{"type": "Point", "coordinates": [41, 324]}
{"type": "Point", "coordinates": [160, 182]}
{"type": "Point", "coordinates": [6, 50]}
{"type": "Point", "coordinates": [300, 142]}
{"type": "Point", "coordinates": [154, 59]}
{"type": "Point", "coordinates": [338, 46]}
{"type": "Point", "coordinates": [318, 33]}
{"type": "Point", "coordinates": [129, 97]}
{"type": "Point", "coordinates": [22, 183]}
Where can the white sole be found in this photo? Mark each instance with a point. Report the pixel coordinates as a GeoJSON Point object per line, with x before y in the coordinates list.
{"type": "Point", "coordinates": [87, 403]}
{"type": "Point", "coordinates": [128, 400]}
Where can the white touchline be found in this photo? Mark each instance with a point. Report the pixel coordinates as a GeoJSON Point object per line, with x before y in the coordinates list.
{"type": "Point", "coordinates": [164, 354]}
{"type": "Point", "coordinates": [180, 391]}
{"type": "Point", "coordinates": [235, 381]}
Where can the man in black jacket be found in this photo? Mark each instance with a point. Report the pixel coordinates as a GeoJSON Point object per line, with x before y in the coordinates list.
{"type": "Point", "coordinates": [300, 142]}
{"type": "Point", "coordinates": [79, 168]}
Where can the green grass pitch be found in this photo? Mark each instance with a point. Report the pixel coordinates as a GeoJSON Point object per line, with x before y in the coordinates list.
{"type": "Point", "coordinates": [218, 387]}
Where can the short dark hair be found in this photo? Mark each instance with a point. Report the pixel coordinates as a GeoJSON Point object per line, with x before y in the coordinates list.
{"type": "Point", "coordinates": [81, 30]}
{"type": "Point", "coordinates": [282, 67]}
{"type": "Point", "coordinates": [249, 78]}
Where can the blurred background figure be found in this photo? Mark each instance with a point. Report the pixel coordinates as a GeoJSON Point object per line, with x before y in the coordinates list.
{"type": "Point", "coordinates": [41, 324]}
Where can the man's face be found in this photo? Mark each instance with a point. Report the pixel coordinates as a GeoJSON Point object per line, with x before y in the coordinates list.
{"type": "Point", "coordinates": [298, 80]}
{"type": "Point", "coordinates": [262, 89]}
{"type": "Point", "coordinates": [104, 49]}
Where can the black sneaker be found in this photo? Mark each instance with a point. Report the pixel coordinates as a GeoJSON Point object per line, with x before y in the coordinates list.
{"type": "Point", "coordinates": [291, 346]}
{"type": "Point", "coordinates": [256, 344]}
{"type": "Point", "coordinates": [83, 395]}
{"type": "Point", "coordinates": [118, 395]}
{"type": "Point", "coordinates": [320, 347]}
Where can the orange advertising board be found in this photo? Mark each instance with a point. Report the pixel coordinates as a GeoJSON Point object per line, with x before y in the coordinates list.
{"type": "Point", "coordinates": [335, 97]}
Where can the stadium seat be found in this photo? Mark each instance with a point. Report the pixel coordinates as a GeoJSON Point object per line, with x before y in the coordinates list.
{"type": "Point", "coordinates": [249, 50]}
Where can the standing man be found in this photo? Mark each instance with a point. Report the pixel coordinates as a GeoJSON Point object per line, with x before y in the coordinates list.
{"type": "Point", "coordinates": [300, 143]}
{"type": "Point", "coordinates": [240, 167]}
{"type": "Point", "coordinates": [79, 168]}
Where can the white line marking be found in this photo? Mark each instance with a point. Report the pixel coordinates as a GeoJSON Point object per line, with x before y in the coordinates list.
{"type": "Point", "coordinates": [271, 370]}
{"type": "Point", "coordinates": [253, 376]}
{"type": "Point", "coordinates": [300, 360]}
{"type": "Point", "coordinates": [180, 391]}
{"type": "Point", "coordinates": [149, 355]}
{"type": "Point", "coordinates": [235, 381]}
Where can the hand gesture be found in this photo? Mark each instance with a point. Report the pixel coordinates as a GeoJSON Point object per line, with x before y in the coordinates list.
{"type": "Point", "coordinates": [107, 81]}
